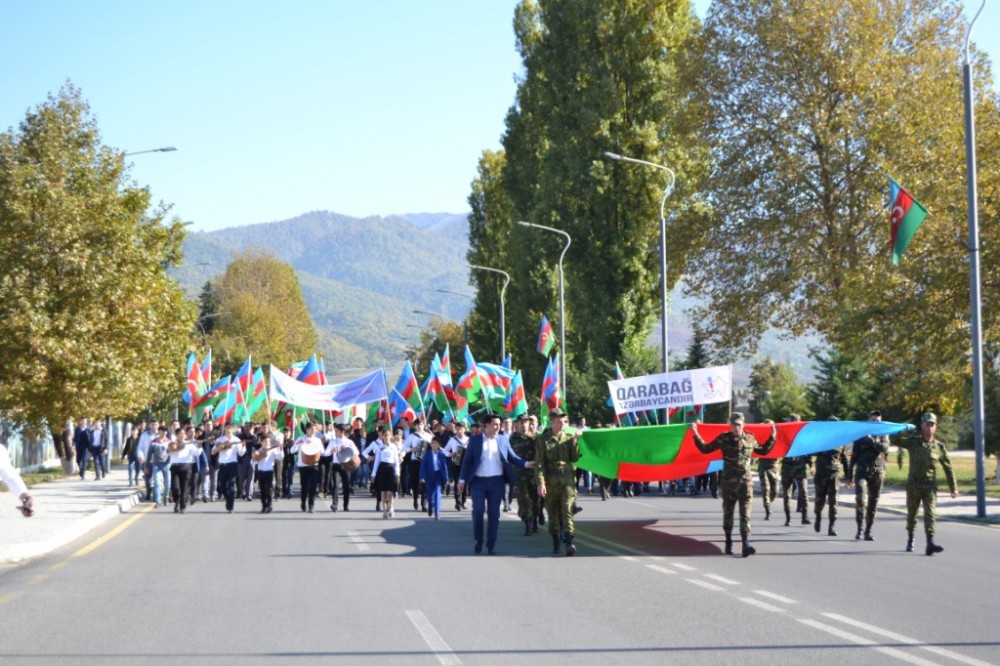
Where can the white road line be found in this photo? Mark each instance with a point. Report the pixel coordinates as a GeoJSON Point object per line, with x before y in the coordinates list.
{"type": "Point", "coordinates": [651, 506]}
{"type": "Point", "coordinates": [617, 546]}
{"type": "Point", "coordinates": [433, 639]}
{"type": "Point", "coordinates": [761, 604]}
{"type": "Point", "coordinates": [705, 584]}
{"type": "Point", "coordinates": [721, 579]}
{"type": "Point", "coordinates": [358, 541]}
{"type": "Point", "coordinates": [854, 638]}
{"type": "Point", "coordinates": [775, 597]}
{"type": "Point", "coordinates": [662, 570]}
{"type": "Point", "coordinates": [682, 567]}
{"type": "Point", "coordinates": [906, 639]}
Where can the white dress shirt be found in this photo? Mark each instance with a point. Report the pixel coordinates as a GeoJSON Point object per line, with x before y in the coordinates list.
{"type": "Point", "coordinates": [490, 464]}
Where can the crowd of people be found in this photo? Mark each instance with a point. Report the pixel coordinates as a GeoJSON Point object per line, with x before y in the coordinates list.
{"type": "Point", "coordinates": [496, 461]}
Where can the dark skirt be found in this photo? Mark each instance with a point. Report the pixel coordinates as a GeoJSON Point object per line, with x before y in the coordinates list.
{"type": "Point", "coordinates": [385, 479]}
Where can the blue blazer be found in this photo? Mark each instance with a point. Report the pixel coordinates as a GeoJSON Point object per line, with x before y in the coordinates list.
{"type": "Point", "coordinates": [427, 473]}
{"type": "Point", "coordinates": [474, 454]}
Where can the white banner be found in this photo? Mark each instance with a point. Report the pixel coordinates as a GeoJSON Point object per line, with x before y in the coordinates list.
{"type": "Point", "coordinates": [369, 388]}
{"type": "Point", "coordinates": [683, 388]}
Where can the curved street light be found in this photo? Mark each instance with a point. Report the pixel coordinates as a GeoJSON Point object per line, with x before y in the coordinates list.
{"type": "Point", "coordinates": [664, 303]}
{"type": "Point", "coordinates": [166, 149]}
{"type": "Point", "coordinates": [503, 329]}
{"type": "Point", "coordinates": [562, 302]}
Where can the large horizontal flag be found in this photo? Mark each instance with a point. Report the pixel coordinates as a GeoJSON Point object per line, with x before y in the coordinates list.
{"type": "Point", "coordinates": [545, 337]}
{"type": "Point", "coordinates": [906, 215]}
{"type": "Point", "coordinates": [666, 453]}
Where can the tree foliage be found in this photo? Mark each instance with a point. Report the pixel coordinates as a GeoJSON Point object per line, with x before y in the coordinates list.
{"type": "Point", "coordinates": [259, 312]}
{"type": "Point", "coordinates": [92, 323]}
{"type": "Point", "coordinates": [606, 75]}
{"type": "Point", "coordinates": [845, 387]}
{"type": "Point", "coordinates": [775, 391]}
{"type": "Point", "coordinates": [813, 104]}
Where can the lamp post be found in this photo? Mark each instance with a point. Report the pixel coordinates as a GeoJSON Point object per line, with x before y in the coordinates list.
{"type": "Point", "coordinates": [503, 329]}
{"type": "Point", "coordinates": [664, 303]}
{"type": "Point", "coordinates": [204, 333]}
{"type": "Point", "coordinates": [166, 149]}
{"type": "Point", "coordinates": [978, 415]}
{"type": "Point", "coordinates": [465, 321]}
{"type": "Point", "coordinates": [562, 302]}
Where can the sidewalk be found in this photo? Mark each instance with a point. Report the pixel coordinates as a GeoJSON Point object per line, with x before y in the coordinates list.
{"type": "Point", "coordinates": [64, 510]}
{"type": "Point", "coordinates": [962, 507]}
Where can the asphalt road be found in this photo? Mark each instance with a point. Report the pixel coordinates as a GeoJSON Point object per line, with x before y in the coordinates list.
{"type": "Point", "coordinates": [649, 585]}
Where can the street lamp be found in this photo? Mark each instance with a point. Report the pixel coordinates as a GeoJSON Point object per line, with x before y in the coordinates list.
{"type": "Point", "coordinates": [663, 256]}
{"type": "Point", "coordinates": [503, 330]}
{"type": "Point", "coordinates": [167, 149]}
{"type": "Point", "coordinates": [562, 306]}
{"type": "Point", "coordinates": [978, 414]}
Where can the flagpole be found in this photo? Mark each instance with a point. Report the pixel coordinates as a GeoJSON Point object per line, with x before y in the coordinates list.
{"type": "Point", "coordinates": [978, 415]}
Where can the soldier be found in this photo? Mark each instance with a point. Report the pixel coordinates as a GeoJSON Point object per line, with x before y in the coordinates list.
{"type": "Point", "coordinates": [556, 451]}
{"type": "Point", "coordinates": [768, 470]}
{"type": "Point", "coordinates": [737, 477]}
{"type": "Point", "coordinates": [829, 466]}
{"type": "Point", "coordinates": [866, 472]}
{"type": "Point", "coordinates": [795, 478]}
{"type": "Point", "coordinates": [528, 502]}
{"type": "Point", "coordinates": [921, 483]}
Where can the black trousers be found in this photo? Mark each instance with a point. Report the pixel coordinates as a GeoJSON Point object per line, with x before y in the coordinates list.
{"type": "Point", "coordinates": [419, 493]}
{"type": "Point", "coordinates": [227, 481]}
{"type": "Point", "coordinates": [309, 484]}
{"type": "Point", "coordinates": [265, 480]}
{"type": "Point", "coordinates": [326, 472]}
{"type": "Point", "coordinates": [180, 477]}
{"type": "Point", "coordinates": [341, 475]}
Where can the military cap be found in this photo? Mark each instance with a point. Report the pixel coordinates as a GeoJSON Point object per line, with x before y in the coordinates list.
{"type": "Point", "coordinates": [928, 417]}
{"type": "Point", "coordinates": [736, 417]}
{"type": "Point", "coordinates": [875, 412]}
{"type": "Point", "coordinates": [524, 417]}
{"type": "Point", "coordinates": [557, 412]}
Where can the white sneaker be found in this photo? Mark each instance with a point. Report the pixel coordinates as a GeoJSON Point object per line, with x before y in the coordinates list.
{"type": "Point", "coordinates": [392, 513]}
{"type": "Point", "coordinates": [385, 514]}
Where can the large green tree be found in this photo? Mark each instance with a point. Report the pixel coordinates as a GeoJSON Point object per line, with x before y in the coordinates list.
{"type": "Point", "coordinates": [259, 312]}
{"type": "Point", "coordinates": [91, 322]}
{"type": "Point", "coordinates": [605, 75]}
{"type": "Point", "coordinates": [813, 105]}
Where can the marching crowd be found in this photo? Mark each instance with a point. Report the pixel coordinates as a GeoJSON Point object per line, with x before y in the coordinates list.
{"type": "Point", "coordinates": [181, 464]}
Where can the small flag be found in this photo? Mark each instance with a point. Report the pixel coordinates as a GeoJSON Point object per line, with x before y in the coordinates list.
{"type": "Point", "coordinates": [906, 215]}
{"type": "Point", "coordinates": [545, 337]}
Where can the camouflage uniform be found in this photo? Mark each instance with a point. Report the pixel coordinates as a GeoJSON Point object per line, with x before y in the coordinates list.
{"type": "Point", "coordinates": [795, 476]}
{"type": "Point", "coordinates": [921, 483]}
{"type": "Point", "coordinates": [736, 479]}
{"type": "Point", "coordinates": [867, 468]}
{"type": "Point", "coordinates": [529, 504]}
{"type": "Point", "coordinates": [829, 466]}
{"type": "Point", "coordinates": [768, 470]}
{"type": "Point", "coordinates": [555, 455]}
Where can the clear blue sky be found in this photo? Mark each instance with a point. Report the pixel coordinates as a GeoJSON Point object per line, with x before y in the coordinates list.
{"type": "Point", "coordinates": [361, 107]}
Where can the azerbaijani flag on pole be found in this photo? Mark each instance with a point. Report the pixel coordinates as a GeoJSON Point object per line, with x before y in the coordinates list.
{"type": "Point", "coordinates": [906, 215]}
{"type": "Point", "coordinates": [515, 404]}
{"type": "Point", "coordinates": [545, 337]}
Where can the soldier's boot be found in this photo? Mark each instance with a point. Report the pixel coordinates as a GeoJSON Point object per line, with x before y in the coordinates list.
{"type": "Point", "coordinates": [909, 542]}
{"type": "Point", "coordinates": [534, 525]}
{"type": "Point", "coordinates": [748, 550]}
{"type": "Point", "coordinates": [819, 522]}
{"type": "Point", "coordinates": [729, 544]}
{"type": "Point", "coordinates": [541, 517]}
{"type": "Point", "coordinates": [931, 546]}
{"type": "Point", "coordinates": [767, 513]}
{"type": "Point", "coordinates": [555, 544]}
{"type": "Point", "coordinates": [570, 548]}
{"type": "Point", "coordinates": [830, 530]}
{"type": "Point", "coordinates": [527, 526]}
{"type": "Point", "coordinates": [788, 518]}
{"type": "Point", "coordinates": [857, 535]}
{"type": "Point", "coordinates": [868, 531]}
{"type": "Point", "coordinates": [805, 517]}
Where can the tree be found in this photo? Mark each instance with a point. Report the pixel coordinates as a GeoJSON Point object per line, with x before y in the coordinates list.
{"type": "Point", "coordinates": [844, 386]}
{"type": "Point", "coordinates": [92, 323]}
{"type": "Point", "coordinates": [775, 391]}
{"type": "Point", "coordinates": [259, 312]}
{"type": "Point", "coordinates": [605, 75]}
{"type": "Point", "coordinates": [813, 105]}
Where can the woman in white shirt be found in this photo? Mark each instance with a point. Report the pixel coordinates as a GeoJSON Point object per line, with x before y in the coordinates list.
{"type": "Point", "coordinates": [309, 449]}
{"type": "Point", "coordinates": [183, 453]}
{"type": "Point", "coordinates": [229, 448]}
{"type": "Point", "coordinates": [266, 457]}
{"type": "Point", "coordinates": [385, 470]}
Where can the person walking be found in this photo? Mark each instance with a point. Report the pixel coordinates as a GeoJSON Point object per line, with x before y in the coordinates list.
{"type": "Point", "coordinates": [926, 452]}
{"type": "Point", "coordinates": [434, 475]}
{"type": "Point", "coordinates": [387, 458]}
{"type": "Point", "coordinates": [15, 484]}
{"type": "Point", "coordinates": [866, 472]}
{"type": "Point", "coordinates": [183, 453]}
{"type": "Point", "coordinates": [229, 448]}
{"type": "Point", "coordinates": [736, 481]}
{"type": "Point", "coordinates": [829, 466]}
{"type": "Point", "coordinates": [529, 504]}
{"type": "Point", "coordinates": [268, 457]}
{"type": "Point", "coordinates": [159, 461]}
{"type": "Point", "coordinates": [309, 449]}
{"type": "Point", "coordinates": [556, 452]}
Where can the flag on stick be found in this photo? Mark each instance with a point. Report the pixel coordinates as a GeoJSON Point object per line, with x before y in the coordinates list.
{"type": "Point", "coordinates": [906, 215]}
{"type": "Point", "coordinates": [545, 337]}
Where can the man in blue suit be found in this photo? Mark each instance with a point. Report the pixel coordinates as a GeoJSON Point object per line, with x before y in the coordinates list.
{"type": "Point", "coordinates": [486, 469]}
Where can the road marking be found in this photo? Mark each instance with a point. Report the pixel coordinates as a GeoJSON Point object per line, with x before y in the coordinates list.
{"type": "Point", "coordinates": [662, 570]}
{"type": "Point", "coordinates": [617, 546]}
{"type": "Point", "coordinates": [37, 579]}
{"type": "Point", "coordinates": [906, 639]}
{"type": "Point", "coordinates": [433, 639]}
{"type": "Point", "coordinates": [682, 567]}
{"type": "Point", "coordinates": [722, 579]}
{"type": "Point", "coordinates": [859, 640]}
{"type": "Point", "coordinates": [761, 604]}
{"type": "Point", "coordinates": [89, 548]}
{"type": "Point", "coordinates": [58, 565]}
{"type": "Point", "coordinates": [775, 597]}
{"type": "Point", "coordinates": [358, 541]}
{"type": "Point", "coordinates": [651, 506]}
{"type": "Point", "coordinates": [10, 596]}
{"type": "Point", "coordinates": [705, 584]}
